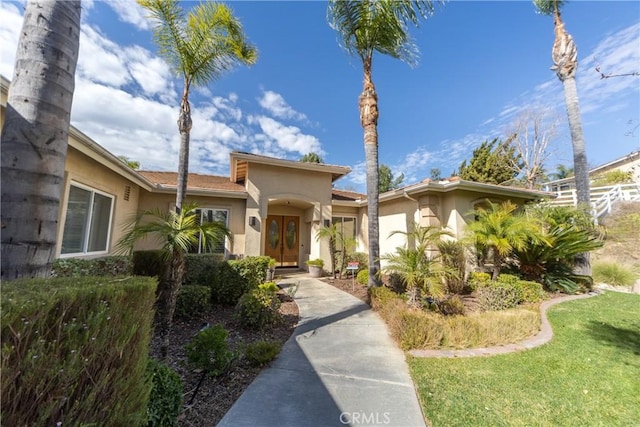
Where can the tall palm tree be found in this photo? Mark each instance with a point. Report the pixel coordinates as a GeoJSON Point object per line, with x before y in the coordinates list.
{"type": "Point", "coordinates": [35, 136]}
{"type": "Point", "coordinates": [565, 63]}
{"type": "Point", "coordinates": [499, 229]}
{"type": "Point", "coordinates": [177, 233]}
{"type": "Point", "coordinates": [200, 47]}
{"type": "Point", "coordinates": [365, 27]}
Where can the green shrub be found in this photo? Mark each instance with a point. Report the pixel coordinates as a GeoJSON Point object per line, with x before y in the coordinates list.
{"type": "Point", "coordinates": [209, 350]}
{"type": "Point", "coordinates": [105, 266]}
{"type": "Point", "coordinates": [363, 277]}
{"type": "Point", "coordinates": [228, 285]}
{"type": "Point", "coordinates": [451, 306]}
{"type": "Point", "coordinates": [361, 258]}
{"type": "Point", "coordinates": [531, 291]}
{"type": "Point", "coordinates": [318, 262]}
{"type": "Point", "coordinates": [258, 308]}
{"type": "Point", "coordinates": [252, 268]}
{"type": "Point", "coordinates": [75, 350]}
{"type": "Point", "coordinates": [381, 296]}
{"type": "Point", "coordinates": [165, 400]}
{"type": "Point", "coordinates": [479, 280]}
{"type": "Point", "coordinates": [269, 286]}
{"type": "Point", "coordinates": [148, 263]}
{"type": "Point", "coordinates": [498, 296]}
{"type": "Point", "coordinates": [261, 353]}
{"type": "Point", "coordinates": [613, 274]}
{"type": "Point", "coordinates": [612, 177]}
{"type": "Point", "coordinates": [454, 259]}
{"type": "Point", "coordinates": [201, 269]}
{"type": "Point", "coordinates": [192, 301]}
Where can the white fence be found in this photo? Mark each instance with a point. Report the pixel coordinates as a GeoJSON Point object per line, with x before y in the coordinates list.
{"type": "Point", "coordinates": [602, 198]}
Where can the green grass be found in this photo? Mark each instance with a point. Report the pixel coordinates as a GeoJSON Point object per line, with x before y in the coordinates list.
{"type": "Point", "coordinates": [588, 375]}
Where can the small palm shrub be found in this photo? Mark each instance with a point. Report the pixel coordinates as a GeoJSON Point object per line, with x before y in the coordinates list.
{"type": "Point", "coordinates": [209, 351]}
{"type": "Point", "coordinates": [258, 309]}
{"type": "Point", "coordinates": [192, 301]}
{"type": "Point", "coordinates": [613, 274]}
{"type": "Point", "coordinates": [363, 277]}
{"type": "Point", "coordinates": [165, 400]}
{"type": "Point", "coordinates": [261, 353]}
{"type": "Point", "coordinates": [453, 257]}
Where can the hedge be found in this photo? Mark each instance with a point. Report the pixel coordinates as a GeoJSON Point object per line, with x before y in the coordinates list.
{"type": "Point", "coordinates": [105, 266]}
{"type": "Point", "coordinates": [75, 350]}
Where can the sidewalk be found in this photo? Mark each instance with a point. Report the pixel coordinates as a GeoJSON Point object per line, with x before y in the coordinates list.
{"type": "Point", "coordinates": [340, 367]}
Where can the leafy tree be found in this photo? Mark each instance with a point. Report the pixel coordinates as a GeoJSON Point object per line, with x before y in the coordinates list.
{"type": "Point", "coordinates": [312, 158]}
{"type": "Point", "coordinates": [365, 27]}
{"type": "Point", "coordinates": [35, 136]}
{"type": "Point", "coordinates": [419, 268]}
{"type": "Point", "coordinates": [133, 164]}
{"type": "Point", "coordinates": [200, 47]}
{"type": "Point", "coordinates": [499, 230]}
{"type": "Point", "coordinates": [177, 233]}
{"type": "Point", "coordinates": [565, 63]}
{"type": "Point", "coordinates": [386, 180]}
{"type": "Point", "coordinates": [492, 163]}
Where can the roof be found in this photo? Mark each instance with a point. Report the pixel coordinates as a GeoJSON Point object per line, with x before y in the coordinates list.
{"type": "Point", "coordinates": [635, 155]}
{"type": "Point", "coordinates": [197, 183]}
{"type": "Point", "coordinates": [347, 195]}
{"type": "Point", "coordinates": [239, 165]}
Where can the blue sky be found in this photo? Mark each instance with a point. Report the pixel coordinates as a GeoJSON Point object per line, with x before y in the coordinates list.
{"type": "Point", "coordinates": [482, 65]}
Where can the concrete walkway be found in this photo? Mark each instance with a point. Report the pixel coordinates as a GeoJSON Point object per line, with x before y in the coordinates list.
{"type": "Point", "coordinates": [340, 367]}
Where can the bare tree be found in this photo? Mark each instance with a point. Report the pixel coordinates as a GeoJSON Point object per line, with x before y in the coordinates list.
{"type": "Point", "coordinates": [532, 132]}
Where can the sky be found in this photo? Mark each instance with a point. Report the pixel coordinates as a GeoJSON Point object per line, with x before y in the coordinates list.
{"type": "Point", "coordinates": [482, 66]}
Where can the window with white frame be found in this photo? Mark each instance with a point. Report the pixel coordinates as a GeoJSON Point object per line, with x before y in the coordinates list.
{"type": "Point", "coordinates": [211, 215]}
{"type": "Point", "coordinates": [87, 223]}
{"type": "Point", "coordinates": [347, 226]}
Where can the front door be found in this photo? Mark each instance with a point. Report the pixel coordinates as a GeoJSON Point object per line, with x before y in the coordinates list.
{"type": "Point", "coordinates": [282, 242]}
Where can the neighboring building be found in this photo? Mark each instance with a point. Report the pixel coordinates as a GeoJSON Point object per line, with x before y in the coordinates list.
{"type": "Point", "coordinates": [629, 163]}
{"type": "Point", "coordinates": [272, 206]}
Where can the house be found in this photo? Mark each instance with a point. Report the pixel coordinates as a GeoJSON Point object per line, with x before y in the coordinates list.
{"type": "Point", "coordinates": [272, 206]}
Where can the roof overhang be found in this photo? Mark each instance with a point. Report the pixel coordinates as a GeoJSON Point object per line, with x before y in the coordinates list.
{"type": "Point", "coordinates": [240, 161]}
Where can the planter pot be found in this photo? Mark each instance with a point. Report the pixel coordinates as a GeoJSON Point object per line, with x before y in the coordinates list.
{"type": "Point", "coordinates": [315, 271]}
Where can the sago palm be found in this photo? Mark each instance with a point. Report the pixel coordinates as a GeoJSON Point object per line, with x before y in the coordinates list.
{"type": "Point", "coordinates": [176, 233]}
{"type": "Point", "coordinates": [365, 27]}
{"type": "Point", "coordinates": [499, 230]}
{"type": "Point", "coordinates": [200, 47]}
{"type": "Point", "coordinates": [565, 63]}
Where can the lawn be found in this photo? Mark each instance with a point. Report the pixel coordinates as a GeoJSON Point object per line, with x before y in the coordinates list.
{"type": "Point", "coordinates": [588, 375]}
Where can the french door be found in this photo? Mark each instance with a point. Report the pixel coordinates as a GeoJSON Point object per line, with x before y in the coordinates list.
{"type": "Point", "coordinates": [283, 239]}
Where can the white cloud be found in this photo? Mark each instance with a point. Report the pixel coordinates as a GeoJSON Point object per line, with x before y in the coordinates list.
{"type": "Point", "coordinates": [11, 23]}
{"type": "Point", "coordinates": [288, 138]}
{"type": "Point", "coordinates": [131, 12]}
{"type": "Point", "coordinates": [275, 104]}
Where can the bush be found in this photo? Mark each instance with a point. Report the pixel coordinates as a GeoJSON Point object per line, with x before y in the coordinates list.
{"type": "Point", "coordinates": [613, 274]}
{"type": "Point", "coordinates": [531, 291]}
{"type": "Point", "coordinates": [252, 268]}
{"type": "Point", "coordinates": [498, 296]}
{"type": "Point", "coordinates": [105, 266]}
{"type": "Point", "coordinates": [165, 400]}
{"type": "Point", "coordinates": [192, 301]}
{"type": "Point", "coordinates": [209, 350]}
{"type": "Point", "coordinates": [363, 277]}
{"type": "Point", "coordinates": [149, 263]}
{"type": "Point", "coordinates": [262, 352]}
{"type": "Point", "coordinates": [318, 262]}
{"type": "Point", "coordinates": [454, 259]}
{"type": "Point", "coordinates": [228, 285]}
{"type": "Point", "coordinates": [75, 350]}
{"type": "Point", "coordinates": [381, 295]}
{"type": "Point", "coordinates": [269, 286]}
{"type": "Point", "coordinates": [258, 309]}
{"type": "Point", "coordinates": [201, 269]}
{"type": "Point", "coordinates": [612, 177]}
{"type": "Point", "coordinates": [451, 306]}
{"type": "Point", "coordinates": [396, 283]}
{"type": "Point", "coordinates": [479, 280]}
{"type": "Point", "coordinates": [361, 258]}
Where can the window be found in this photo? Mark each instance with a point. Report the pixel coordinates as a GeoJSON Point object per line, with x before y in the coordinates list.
{"type": "Point", "coordinates": [346, 226]}
{"type": "Point", "coordinates": [88, 221]}
{"type": "Point", "coordinates": [211, 215]}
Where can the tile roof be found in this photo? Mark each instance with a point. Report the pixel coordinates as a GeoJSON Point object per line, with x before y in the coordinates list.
{"type": "Point", "coordinates": [347, 195]}
{"type": "Point", "coordinates": [196, 181]}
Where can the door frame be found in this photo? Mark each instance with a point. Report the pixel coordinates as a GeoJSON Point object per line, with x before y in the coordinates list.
{"type": "Point", "coordinates": [283, 257]}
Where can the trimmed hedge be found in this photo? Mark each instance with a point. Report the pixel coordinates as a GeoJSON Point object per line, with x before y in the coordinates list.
{"type": "Point", "coordinates": [165, 400]}
{"type": "Point", "coordinates": [192, 301]}
{"type": "Point", "coordinates": [202, 268]}
{"type": "Point", "coordinates": [80, 267]}
{"type": "Point", "coordinates": [75, 350]}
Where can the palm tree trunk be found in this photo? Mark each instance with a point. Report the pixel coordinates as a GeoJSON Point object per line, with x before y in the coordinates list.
{"type": "Point", "coordinates": [497, 265]}
{"type": "Point", "coordinates": [184, 126]}
{"type": "Point", "coordinates": [35, 136]}
{"type": "Point", "coordinates": [169, 289]}
{"type": "Point", "coordinates": [368, 104]}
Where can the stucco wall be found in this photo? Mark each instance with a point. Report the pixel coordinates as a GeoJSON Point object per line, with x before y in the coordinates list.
{"type": "Point", "coordinates": [81, 169]}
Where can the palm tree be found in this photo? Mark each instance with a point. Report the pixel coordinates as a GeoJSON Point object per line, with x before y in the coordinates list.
{"type": "Point", "coordinates": [365, 27]}
{"type": "Point", "coordinates": [177, 233]}
{"type": "Point", "coordinates": [565, 64]}
{"type": "Point", "coordinates": [200, 47]}
{"type": "Point", "coordinates": [418, 268]}
{"type": "Point", "coordinates": [35, 136]}
{"type": "Point", "coordinates": [562, 172]}
{"type": "Point", "coordinates": [499, 230]}
{"type": "Point", "coordinates": [333, 235]}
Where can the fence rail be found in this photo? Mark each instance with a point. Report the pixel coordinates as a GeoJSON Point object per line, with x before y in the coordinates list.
{"type": "Point", "coordinates": [602, 199]}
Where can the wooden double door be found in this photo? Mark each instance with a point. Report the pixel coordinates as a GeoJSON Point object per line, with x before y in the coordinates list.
{"type": "Point", "coordinates": [283, 239]}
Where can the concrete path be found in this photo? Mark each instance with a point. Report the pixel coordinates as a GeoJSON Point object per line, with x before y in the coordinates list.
{"type": "Point", "coordinates": [340, 367]}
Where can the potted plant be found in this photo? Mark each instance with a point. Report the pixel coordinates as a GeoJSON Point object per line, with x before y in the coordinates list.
{"type": "Point", "coordinates": [315, 267]}
{"type": "Point", "coordinates": [271, 270]}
